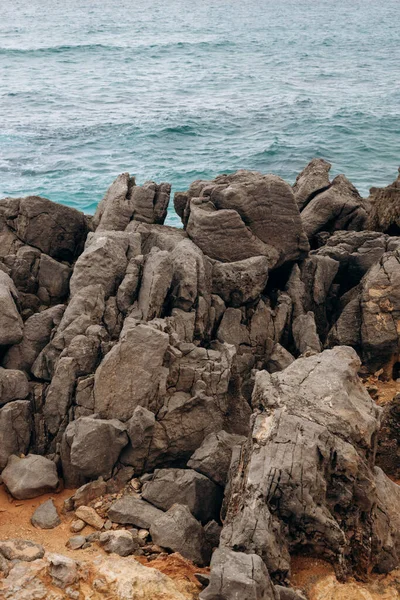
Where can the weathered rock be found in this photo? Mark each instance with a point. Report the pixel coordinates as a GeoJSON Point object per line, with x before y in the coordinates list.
{"type": "Point", "coordinates": [88, 492]}
{"type": "Point", "coordinates": [13, 385]}
{"type": "Point", "coordinates": [240, 282]}
{"type": "Point", "coordinates": [77, 525]}
{"type": "Point", "coordinates": [119, 542]}
{"type": "Point", "coordinates": [10, 320]}
{"type": "Point", "coordinates": [305, 334]}
{"type": "Point", "coordinates": [4, 566]}
{"type": "Point", "coordinates": [92, 446]}
{"type": "Point", "coordinates": [213, 533]}
{"type": "Point", "coordinates": [90, 516]}
{"type": "Point", "coordinates": [36, 334]}
{"type": "Point", "coordinates": [62, 570]}
{"type": "Point", "coordinates": [280, 359]}
{"type": "Point", "coordinates": [30, 476]}
{"type": "Point", "coordinates": [388, 449]}
{"type": "Point", "coordinates": [213, 457]}
{"type": "Point", "coordinates": [230, 218]}
{"type": "Point", "coordinates": [338, 207]}
{"type": "Point", "coordinates": [46, 516]}
{"type": "Point", "coordinates": [178, 530]}
{"type": "Point", "coordinates": [313, 180]}
{"type": "Point", "coordinates": [21, 550]}
{"type": "Point", "coordinates": [156, 281]}
{"type": "Point", "coordinates": [76, 542]}
{"type": "Point", "coordinates": [132, 510]}
{"type": "Point", "coordinates": [53, 277]}
{"type": "Point", "coordinates": [285, 593]}
{"type": "Point", "coordinates": [237, 575]}
{"type": "Point", "coordinates": [55, 229]}
{"type": "Point", "coordinates": [140, 429]}
{"type": "Point", "coordinates": [131, 373]}
{"type": "Point", "coordinates": [15, 429]}
{"type": "Point", "coordinates": [384, 213]}
{"type": "Point", "coordinates": [184, 486]}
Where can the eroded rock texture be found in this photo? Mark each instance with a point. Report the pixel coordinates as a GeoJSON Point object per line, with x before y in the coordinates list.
{"type": "Point", "coordinates": [218, 363]}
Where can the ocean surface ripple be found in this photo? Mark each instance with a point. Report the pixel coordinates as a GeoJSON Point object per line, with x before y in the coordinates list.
{"type": "Point", "coordinates": [176, 90]}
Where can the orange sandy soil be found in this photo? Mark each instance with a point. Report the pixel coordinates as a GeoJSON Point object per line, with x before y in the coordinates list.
{"type": "Point", "coordinates": [386, 389]}
{"type": "Point", "coordinates": [15, 522]}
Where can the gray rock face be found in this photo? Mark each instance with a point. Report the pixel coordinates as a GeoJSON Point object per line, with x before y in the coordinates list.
{"type": "Point", "coordinates": [178, 530]}
{"type": "Point", "coordinates": [235, 217]}
{"type": "Point", "coordinates": [240, 282]}
{"type": "Point", "coordinates": [21, 550]}
{"type": "Point", "coordinates": [13, 385]}
{"type": "Point", "coordinates": [46, 516]}
{"type": "Point", "coordinates": [56, 230]}
{"type": "Point", "coordinates": [131, 510]}
{"type": "Point", "coordinates": [237, 575]}
{"type": "Point", "coordinates": [92, 446]}
{"type": "Point", "coordinates": [213, 457]}
{"type": "Point", "coordinates": [119, 542]}
{"type": "Point", "coordinates": [15, 429]}
{"type": "Point", "coordinates": [384, 214]}
{"type": "Point", "coordinates": [10, 320]}
{"type": "Point", "coordinates": [30, 476]}
{"type": "Point", "coordinates": [313, 179]}
{"type": "Point", "coordinates": [312, 440]}
{"type": "Point", "coordinates": [339, 207]}
{"type": "Point", "coordinates": [125, 201]}
{"type": "Point", "coordinates": [184, 486]}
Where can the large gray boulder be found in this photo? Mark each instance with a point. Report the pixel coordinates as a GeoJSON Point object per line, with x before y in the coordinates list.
{"type": "Point", "coordinates": [132, 510]}
{"type": "Point", "coordinates": [55, 229]}
{"type": "Point", "coordinates": [184, 486]}
{"type": "Point", "coordinates": [235, 575]}
{"type": "Point", "coordinates": [91, 447]}
{"type": "Point", "coordinates": [13, 385]}
{"type": "Point", "coordinates": [125, 201]}
{"type": "Point", "coordinates": [16, 427]}
{"type": "Point", "coordinates": [30, 476]}
{"type": "Point", "coordinates": [238, 216]}
{"type": "Point", "coordinates": [179, 531]}
{"type": "Point", "coordinates": [213, 457]}
{"type": "Point", "coordinates": [313, 179]}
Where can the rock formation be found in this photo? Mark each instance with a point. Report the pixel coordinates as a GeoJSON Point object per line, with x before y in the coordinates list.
{"type": "Point", "coordinates": [216, 365]}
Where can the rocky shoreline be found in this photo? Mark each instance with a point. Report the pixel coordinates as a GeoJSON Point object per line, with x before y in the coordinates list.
{"type": "Point", "coordinates": [203, 387]}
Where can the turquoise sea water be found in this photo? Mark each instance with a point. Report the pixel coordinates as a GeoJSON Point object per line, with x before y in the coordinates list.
{"type": "Point", "coordinates": [176, 90]}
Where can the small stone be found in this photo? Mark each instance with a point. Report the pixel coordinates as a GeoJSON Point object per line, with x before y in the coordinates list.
{"type": "Point", "coordinates": [77, 525]}
{"type": "Point", "coordinates": [90, 516]}
{"type": "Point", "coordinates": [119, 542]}
{"type": "Point", "coordinates": [46, 516]}
{"type": "Point", "coordinates": [63, 570]}
{"type": "Point", "coordinates": [86, 545]}
{"type": "Point", "coordinates": [68, 505]}
{"type": "Point", "coordinates": [76, 542]}
{"type": "Point", "coordinates": [93, 537]}
{"type": "Point", "coordinates": [108, 525]}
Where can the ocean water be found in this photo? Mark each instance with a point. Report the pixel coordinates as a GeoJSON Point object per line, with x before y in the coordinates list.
{"type": "Point", "coordinates": [176, 90]}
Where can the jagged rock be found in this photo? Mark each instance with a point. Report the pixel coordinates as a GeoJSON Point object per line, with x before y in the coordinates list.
{"type": "Point", "coordinates": [53, 277]}
{"type": "Point", "coordinates": [21, 550]}
{"type": "Point", "coordinates": [388, 449]}
{"type": "Point", "coordinates": [305, 334]}
{"type": "Point", "coordinates": [88, 492]}
{"type": "Point", "coordinates": [62, 570]}
{"type": "Point", "coordinates": [230, 218]}
{"type": "Point", "coordinates": [46, 516]}
{"type": "Point", "coordinates": [77, 525]}
{"type": "Point", "coordinates": [184, 486]}
{"type": "Point", "coordinates": [213, 457]}
{"type": "Point", "coordinates": [90, 516]}
{"type": "Point", "coordinates": [308, 463]}
{"type": "Point", "coordinates": [140, 429]}
{"type": "Point", "coordinates": [125, 201]}
{"type": "Point", "coordinates": [338, 207]}
{"type": "Point", "coordinates": [10, 321]}
{"type": "Point", "coordinates": [91, 447]}
{"type": "Point", "coordinates": [131, 373]}
{"type": "Point", "coordinates": [15, 429]}
{"type": "Point", "coordinates": [36, 334]}
{"type": "Point", "coordinates": [132, 510]}
{"type": "Point", "coordinates": [119, 542]}
{"type": "Point", "coordinates": [280, 359]}
{"type": "Point", "coordinates": [30, 476]}
{"type": "Point", "coordinates": [13, 385]}
{"type": "Point", "coordinates": [55, 229]}
{"type": "Point", "coordinates": [129, 287]}
{"type": "Point", "coordinates": [384, 214]}
{"type": "Point", "coordinates": [4, 566]}
{"type": "Point", "coordinates": [156, 281]}
{"type": "Point", "coordinates": [240, 282]}
{"type": "Point", "coordinates": [237, 575]}
{"type": "Point", "coordinates": [213, 533]}
{"type": "Point", "coordinates": [178, 530]}
{"type": "Point", "coordinates": [313, 180]}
